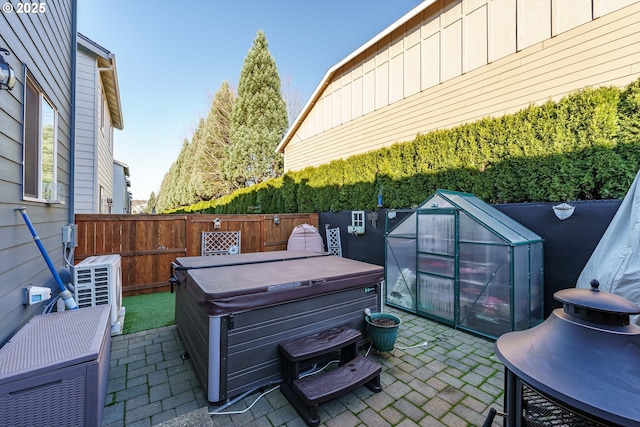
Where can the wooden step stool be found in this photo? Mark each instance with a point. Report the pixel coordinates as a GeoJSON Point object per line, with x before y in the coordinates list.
{"type": "Point", "coordinates": [305, 394]}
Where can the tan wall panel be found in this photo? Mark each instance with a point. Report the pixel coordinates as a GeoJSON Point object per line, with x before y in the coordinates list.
{"type": "Point", "coordinates": [413, 32]}
{"type": "Point", "coordinates": [356, 103]}
{"type": "Point", "coordinates": [475, 34]}
{"type": "Point", "coordinates": [502, 29]}
{"type": "Point", "coordinates": [397, 44]}
{"type": "Point", "coordinates": [431, 26]}
{"type": "Point", "coordinates": [369, 90]}
{"type": "Point", "coordinates": [347, 97]}
{"type": "Point", "coordinates": [336, 108]}
{"type": "Point", "coordinates": [307, 127]}
{"type": "Point", "coordinates": [412, 71]}
{"type": "Point", "coordinates": [369, 64]}
{"type": "Point", "coordinates": [319, 117]}
{"type": "Point", "coordinates": [430, 61]}
{"type": "Point", "coordinates": [603, 52]}
{"type": "Point", "coordinates": [382, 55]}
{"type": "Point", "coordinates": [451, 53]}
{"type": "Point", "coordinates": [568, 14]}
{"type": "Point", "coordinates": [382, 85]}
{"type": "Point", "coordinates": [396, 78]}
{"type": "Point", "coordinates": [471, 5]}
{"type": "Point", "coordinates": [603, 7]}
{"type": "Point", "coordinates": [451, 12]}
{"type": "Point", "coordinates": [327, 118]}
{"type": "Point", "coordinates": [357, 69]}
{"type": "Point", "coordinates": [534, 23]}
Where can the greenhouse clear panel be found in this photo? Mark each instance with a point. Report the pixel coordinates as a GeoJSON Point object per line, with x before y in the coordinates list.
{"type": "Point", "coordinates": [436, 296]}
{"type": "Point", "coordinates": [436, 233]}
{"type": "Point", "coordinates": [407, 227]}
{"type": "Point", "coordinates": [435, 264]}
{"type": "Point", "coordinates": [537, 280]}
{"type": "Point", "coordinates": [521, 287]}
{"type": "Point", "coordinates": [485, 288]}
{"type": "Point", "coordinates": [400, 272]}
{"type": "Point", "coordinates": [473, 231]}
{"type": "Point", "coordinates": [436, 202]}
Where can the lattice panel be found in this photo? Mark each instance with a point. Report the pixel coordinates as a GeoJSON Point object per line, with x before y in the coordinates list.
{"type": "Point", "coordinates": [334, 244]}
{"type": "Point", "coordinates": [220, 242]}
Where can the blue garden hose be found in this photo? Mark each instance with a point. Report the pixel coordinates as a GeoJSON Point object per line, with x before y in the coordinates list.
{"type": "Point", "coordinates": [69, 302]}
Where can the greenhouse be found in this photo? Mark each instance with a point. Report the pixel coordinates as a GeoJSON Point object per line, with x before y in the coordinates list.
{"type": "Point", "coordinates": [460, 261]}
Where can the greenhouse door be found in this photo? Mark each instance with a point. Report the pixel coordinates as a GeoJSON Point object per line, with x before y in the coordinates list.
{"type": "Point", "coordinates": [437, 264]}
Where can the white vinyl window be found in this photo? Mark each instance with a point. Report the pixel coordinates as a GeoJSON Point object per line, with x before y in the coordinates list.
{"type": "Point", "coordinates": [40, 145]}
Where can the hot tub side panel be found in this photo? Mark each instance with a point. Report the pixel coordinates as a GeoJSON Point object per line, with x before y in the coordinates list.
{"type": "Point", "coordinates": [193, 326]}
{"type": "Point", "coordinates": [253, 336]}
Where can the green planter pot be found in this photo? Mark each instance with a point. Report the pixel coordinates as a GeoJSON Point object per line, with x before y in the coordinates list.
{"type": "Point", "coordinates": [383, 338]}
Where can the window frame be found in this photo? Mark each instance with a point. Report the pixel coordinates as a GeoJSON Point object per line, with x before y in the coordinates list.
{"type": "Point", "coordinates": [34, 187]}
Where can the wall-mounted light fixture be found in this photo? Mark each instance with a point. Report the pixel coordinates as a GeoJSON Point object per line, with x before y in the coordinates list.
{"type": "Point", "coordinates": [7, 76]}
{"type": "Point", "coordinates": [276, 219]}
{"type": "Point", "coordinates": [216, 224]}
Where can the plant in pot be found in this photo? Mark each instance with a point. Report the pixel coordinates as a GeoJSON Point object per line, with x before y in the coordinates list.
{"type": "Point", "coordinates": [383, 329]}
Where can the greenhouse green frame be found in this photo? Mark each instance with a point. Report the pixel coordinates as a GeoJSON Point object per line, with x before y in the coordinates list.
{"type": "Point", "coordinates": [460, 261]}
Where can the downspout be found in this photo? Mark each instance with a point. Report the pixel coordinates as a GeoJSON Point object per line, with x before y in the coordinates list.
{"type": "Point", "coordinates": [72, 133]}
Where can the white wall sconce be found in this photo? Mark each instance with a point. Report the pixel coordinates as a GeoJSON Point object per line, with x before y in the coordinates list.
{"type": "Point", "coordinates": [216, 223]}
{"type": "Point", "coordinates": [563, 211]}
{"type": "Point", "coordinates": [7, 76]}
{"type": "Point", "coordinates": [276, 219]}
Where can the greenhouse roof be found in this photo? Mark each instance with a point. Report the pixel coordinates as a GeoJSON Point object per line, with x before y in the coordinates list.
{"type": "Point", "coordinates": [502, 225]}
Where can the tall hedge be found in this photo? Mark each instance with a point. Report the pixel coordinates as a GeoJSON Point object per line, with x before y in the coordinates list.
{"type": "Point", "coordinates": [585, 146]}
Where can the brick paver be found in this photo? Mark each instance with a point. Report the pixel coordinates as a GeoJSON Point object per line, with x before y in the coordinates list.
{"type": "Point", "coordinates": [436, 376]}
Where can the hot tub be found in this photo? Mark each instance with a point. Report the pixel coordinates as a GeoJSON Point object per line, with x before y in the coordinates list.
{"type": "Point", "coordinates": [232, 311]}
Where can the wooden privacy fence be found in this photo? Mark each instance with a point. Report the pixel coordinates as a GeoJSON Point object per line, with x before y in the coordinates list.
{"type": "Point", "coordinates": [147, 244]}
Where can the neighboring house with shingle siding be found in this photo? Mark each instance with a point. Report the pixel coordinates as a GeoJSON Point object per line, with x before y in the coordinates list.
{"type": "Point", "coordinates": [449, 62]}
{"type": "Point", "coordinates": [98, 112]}
{"type": "Point", "coordinates": [36, 152]}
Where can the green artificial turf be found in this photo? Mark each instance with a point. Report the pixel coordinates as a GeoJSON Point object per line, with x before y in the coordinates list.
{"type": "Point", "coordinates": [149, 311]}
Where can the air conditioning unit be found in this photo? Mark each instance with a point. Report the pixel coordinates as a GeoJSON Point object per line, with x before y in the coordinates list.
{"type": "Point", "coordinates": [97, 280]}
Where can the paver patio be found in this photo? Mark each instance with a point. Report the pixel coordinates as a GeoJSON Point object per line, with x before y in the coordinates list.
{"type": "Point", "coordinates": [436, 376]}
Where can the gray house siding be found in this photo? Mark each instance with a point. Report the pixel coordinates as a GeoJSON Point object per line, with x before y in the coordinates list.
{"type": "Point", "coordinates": [121, 199]}
{"type": "Point", "coordinates": [98, 111]}
{"type": "Point", "coordinates": [86, 195]}
{"type": "Point", "coordinates": [44, 43]}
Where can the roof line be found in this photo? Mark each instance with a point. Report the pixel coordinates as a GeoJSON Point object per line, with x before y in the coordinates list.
{"type": "Point", "coordinates": [94, 47]}
{"type": "Point", "coordinates": [331, 71]}
{"type": "Point", "coordinates": [115, 104]}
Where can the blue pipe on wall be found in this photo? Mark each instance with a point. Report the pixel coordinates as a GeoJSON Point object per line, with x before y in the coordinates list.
{"type": "Point", "coordinates": [69, 302]}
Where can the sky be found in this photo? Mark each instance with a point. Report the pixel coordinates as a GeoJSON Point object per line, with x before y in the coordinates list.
{"type": "Point", "coordinates": [172, 56]}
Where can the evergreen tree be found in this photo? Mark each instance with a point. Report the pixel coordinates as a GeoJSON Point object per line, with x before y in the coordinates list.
{"type": "Point", "coordinates": [184, 164]}
{"type": "Point", "coordinates": [258, 121]}
{"type": "Point", "coordinates": [150, 208]}
{"type": "Point", "coordinates": [162, 200]}
{"type": "Point", "coordinates": [209, 143]}
{"type": "Point", "coordinates": [172, 189]}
